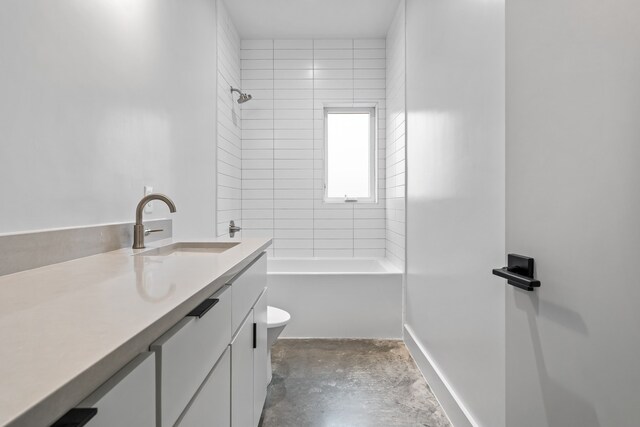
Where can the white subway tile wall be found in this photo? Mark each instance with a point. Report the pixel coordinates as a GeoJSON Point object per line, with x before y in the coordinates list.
{"type": "Point", "coordinates": [283, 144]}
{"type": "Point", "coordinates": [396, 159]}
{"type": "Point", "coordinates": [229, 151]}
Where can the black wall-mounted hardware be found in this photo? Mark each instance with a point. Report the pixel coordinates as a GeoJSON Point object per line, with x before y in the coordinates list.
{"type": "Point", "coordinates": [255, 335]}
{"type": "Point", "coordinates": [202, 309]}
{"type": "Point", "coordinates": [76, 417]}
{"type": "Point", "coordinates": [518, 272]}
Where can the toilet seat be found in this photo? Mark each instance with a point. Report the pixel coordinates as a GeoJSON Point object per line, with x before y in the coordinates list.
{"type": "Point", "coordinates": [276, 317]}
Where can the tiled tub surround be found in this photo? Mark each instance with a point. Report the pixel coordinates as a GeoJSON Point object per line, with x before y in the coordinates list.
{"type": "Point", "coordinates": [396, 138]}
{"type": "Point", "coordinates": [66, 328]}
{"type": "Point", "coordinates": [229, 150]}
{"type": "Point", "coordinates": [283, 144]}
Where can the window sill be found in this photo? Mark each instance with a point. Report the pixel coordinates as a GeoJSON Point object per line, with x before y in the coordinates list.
{"type": "Point", "coordinates": [351, 201]}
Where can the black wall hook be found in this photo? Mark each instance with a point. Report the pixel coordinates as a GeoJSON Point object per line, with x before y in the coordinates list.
{"type": "Point", "coordinates": [518, 272]}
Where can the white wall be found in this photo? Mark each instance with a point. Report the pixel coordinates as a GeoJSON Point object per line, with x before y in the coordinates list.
{"type": "Point", "coordinates": [282, 144]}
{"type": "Point", "coordinates": [229, 124]}
{"type": "Point", "coordinates": [99, 99]}
{"type": "Point", "coordinates": [456, 203]}
{"type": "Point", "coordinates": [573, 146]}
{"type": "Point", "coordinates": [396, 147]}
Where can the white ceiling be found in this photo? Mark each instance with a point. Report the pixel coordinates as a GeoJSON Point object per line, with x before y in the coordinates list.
{"type": "Point", "coordinates": [285, 19]}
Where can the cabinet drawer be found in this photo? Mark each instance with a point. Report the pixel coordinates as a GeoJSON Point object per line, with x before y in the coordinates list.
{"type": "Point", "coordinates": [128, 398]}
{"type": "Point", "coordinates": [246, 288]}
{"type": "Point", "coordinates": [187, 353]}
{"type": "Point", "coordinates": [212, 405]}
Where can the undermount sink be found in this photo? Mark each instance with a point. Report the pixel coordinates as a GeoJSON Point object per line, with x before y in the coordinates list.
{"type": "Point", "coordinates": [185, 248]}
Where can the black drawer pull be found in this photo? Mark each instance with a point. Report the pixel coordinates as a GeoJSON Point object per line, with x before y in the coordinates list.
{"type": "Point", "coordinates": [76, 417]}
{"type": "Point", "coordinates": [202, 309]}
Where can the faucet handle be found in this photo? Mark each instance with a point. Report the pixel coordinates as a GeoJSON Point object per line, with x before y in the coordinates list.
{"type": "Point", "coordinates": [148, 231]}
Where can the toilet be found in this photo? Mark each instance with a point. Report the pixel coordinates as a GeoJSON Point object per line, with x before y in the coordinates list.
{"type": "Point", "coordinates": [277, 319]}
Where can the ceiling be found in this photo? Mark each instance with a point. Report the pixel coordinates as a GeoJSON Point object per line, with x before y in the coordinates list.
{"type": "Point", "coordinates": [286, 19]}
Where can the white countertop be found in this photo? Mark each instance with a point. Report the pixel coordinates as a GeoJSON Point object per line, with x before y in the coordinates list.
{"type": "Point", "coordinates": [66, 328]}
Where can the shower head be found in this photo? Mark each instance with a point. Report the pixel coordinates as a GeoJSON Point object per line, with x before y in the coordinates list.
{"type": "Point", "coordinates": [244, 97]}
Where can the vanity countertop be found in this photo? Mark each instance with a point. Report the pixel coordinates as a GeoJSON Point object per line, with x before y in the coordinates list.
{"type": "Point", "coordinates": [66, 328]}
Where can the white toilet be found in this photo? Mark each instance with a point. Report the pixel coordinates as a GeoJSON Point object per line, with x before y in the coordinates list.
{"type": "Point", "coordinates": [277, 319]}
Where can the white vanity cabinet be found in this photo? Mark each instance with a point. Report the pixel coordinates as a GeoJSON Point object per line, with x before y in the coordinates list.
{"type": "Point", "coordinates": [249, 367]}
{"type": "Point", "coordinates": [212, 368]}
{"type": "Point", "coordinates": [246, 288]}
{"type": "Point", "coordinates": [187, 353]}
{"type": "Point", "coordinates": [260, 358]}
{"type": "Point", "coordinates": [249, 345]}
{"type": "Point", "coordinates": [208, 370]}
{"type": "Point", "coordinates": [242, 403]}
{"type": "Point", "coordinates": [126, 399]}
{"type": "Point", "coordinates": [212, 404]}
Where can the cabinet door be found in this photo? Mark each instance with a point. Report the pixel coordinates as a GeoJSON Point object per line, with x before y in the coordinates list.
{"type": "Point", "coordinates": [212, 405]}
{"type": "Point", "coordinates": [260, 357]}
{"type": "Point", "coordinates": [242, 375]}
{"type": "Point", "coordinates": [128, 398]}
{"type": "Point", "coordinates": [246, 287]}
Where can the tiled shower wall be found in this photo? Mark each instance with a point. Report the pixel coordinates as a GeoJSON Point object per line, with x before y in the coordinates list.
{"type": "Point", "coordinates": [396, 119]}
{"type": "Point", "coordinates": [282, 144]}
{"type": "Point", "coordinates": [229, 154]}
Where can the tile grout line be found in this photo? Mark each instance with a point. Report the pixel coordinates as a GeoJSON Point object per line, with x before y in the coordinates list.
{"type": "Point", "coordinates": [241, 145]}
{"type": "Point", "coordinates": [353, 101]}
{"type": "Point", "coordinates": [313, 146]}
{"type": "Point", "coordinates": [273, 144]}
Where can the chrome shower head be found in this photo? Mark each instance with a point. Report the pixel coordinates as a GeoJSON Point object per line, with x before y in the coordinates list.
{"type": "Point", "coordinates": [244, 97]}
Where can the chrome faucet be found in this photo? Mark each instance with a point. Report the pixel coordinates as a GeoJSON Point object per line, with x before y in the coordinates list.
{"type": "Point", "coordinates": [138, 230]}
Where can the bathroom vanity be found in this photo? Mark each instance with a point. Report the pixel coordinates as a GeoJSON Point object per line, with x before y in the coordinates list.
{"type": "Point", "coordinates": [174, 334]}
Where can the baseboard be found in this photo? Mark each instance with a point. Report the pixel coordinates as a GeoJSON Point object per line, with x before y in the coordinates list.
{"type": "Point", "coordinates": [446, 396]}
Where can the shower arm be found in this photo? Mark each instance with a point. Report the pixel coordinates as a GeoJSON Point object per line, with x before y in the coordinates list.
{"type": "Point", "coordinates": [243, 97]}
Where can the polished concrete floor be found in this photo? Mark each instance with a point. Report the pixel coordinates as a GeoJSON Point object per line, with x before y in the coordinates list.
{"type": "Point", "coordinates": [348, 383]}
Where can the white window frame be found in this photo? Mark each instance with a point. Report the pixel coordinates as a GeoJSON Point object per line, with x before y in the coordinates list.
{"type": "Point", "coordinates": [373, 152]}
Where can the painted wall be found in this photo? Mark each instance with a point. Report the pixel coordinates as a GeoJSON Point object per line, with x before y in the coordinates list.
{"type": "Point", "coordinates": [396, 140]}
{"type": "Point", "coordinates": [573, 145]}
{"type": "Point", "coordinates": [229, 125]}
{"type": "Point", "coordinates": [282, 144]}
{"type": "Point", "coordinates": [456, 202]}
{"type": "Point", "coordinates": [99, 99]}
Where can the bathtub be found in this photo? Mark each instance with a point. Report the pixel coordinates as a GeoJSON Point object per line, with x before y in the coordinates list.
{"type": "Point", "coordinates": [337, 297]}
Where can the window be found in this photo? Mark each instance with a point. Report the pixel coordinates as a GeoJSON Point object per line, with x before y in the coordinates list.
{"type": "Point", "coordinates": [350, 155]}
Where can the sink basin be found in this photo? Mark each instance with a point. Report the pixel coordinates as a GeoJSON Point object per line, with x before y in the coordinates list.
{"type": "Point", "coordinates": [184, 248]}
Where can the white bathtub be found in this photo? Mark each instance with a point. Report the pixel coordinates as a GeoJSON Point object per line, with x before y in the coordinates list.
{"type": "Point", "coordinates": [337, 297]}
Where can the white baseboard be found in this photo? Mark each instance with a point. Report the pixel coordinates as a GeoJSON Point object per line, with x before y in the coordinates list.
{"type": "Point", "coordinates": [446, 396]}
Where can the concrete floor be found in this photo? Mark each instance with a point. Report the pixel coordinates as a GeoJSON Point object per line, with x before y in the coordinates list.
{"type": "Point", "coordinates": [321, 382]}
